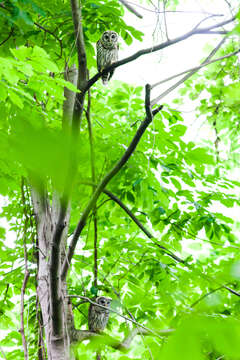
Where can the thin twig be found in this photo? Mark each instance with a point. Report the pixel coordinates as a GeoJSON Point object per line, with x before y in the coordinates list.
{"type": "Point", "coordinates": [204, 296]}
{"type": "Point", "coordinates": [3, 353]}
{"type": "Point", "coordinates": [173, 11]}
{"type": "Point", "coordinates": [51, 33]}
{"type": "Point", "coordinates": [26, 274]}
{"type": "Point", "coordinates": [194, 69]}
{"type": "Point", "coordinates": [181, 81]}
{"type": "Point", "coordinates": [8, 37]}
{"type": "Point", "coordinates": [130, 8]}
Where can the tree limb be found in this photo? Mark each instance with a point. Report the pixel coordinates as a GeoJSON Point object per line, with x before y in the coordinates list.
{"type": "Point", "coordinates": [107, 178]}
{"type": "Point", "coordinates": [158, 47]}
{"type": "Point", "coordinates": [137, 222]}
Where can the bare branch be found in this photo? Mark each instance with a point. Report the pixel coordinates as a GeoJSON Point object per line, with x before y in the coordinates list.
{"type": "Point", "coordinates": [51, 33]}
{"type": "Point", "coordinates": [173, 11]}
{"type": "Point", "coordinates": [165, 19]}
{"type": "Point", "coordinates": [158, 334]}
{"type": "Point", "coordinates": [107, 178]}
{"type": "Point", "coordinates": [204, 296]}
{"type": "Point", "coordinates": [194, 69]}
{"type": "Point", "coordinates": [130, 8]}
{"type": "Point", "coordinates": [8, 37]}
{"type": "Point", "coordinates": [173, 87]}
{"type": "Point", "coordinates": [155, 48]}
{"type": "Point", "coordinates": [3, 353]}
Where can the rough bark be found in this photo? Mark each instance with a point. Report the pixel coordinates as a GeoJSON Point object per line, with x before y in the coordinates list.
{"type": "Point", "coordinates": [46, 216]}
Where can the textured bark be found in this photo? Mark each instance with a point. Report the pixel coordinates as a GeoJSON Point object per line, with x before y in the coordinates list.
{"type": "Point", "coordinates": [46, 216]}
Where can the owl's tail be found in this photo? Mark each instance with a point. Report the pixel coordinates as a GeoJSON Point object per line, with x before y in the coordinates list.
{"type": "Point", "coordinates": [105, 79]}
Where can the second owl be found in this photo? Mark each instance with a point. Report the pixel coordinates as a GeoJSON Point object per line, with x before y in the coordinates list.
{"type": "Point", "coordinates": [107, 53]}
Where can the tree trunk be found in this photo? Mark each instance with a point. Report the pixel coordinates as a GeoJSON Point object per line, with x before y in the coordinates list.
{"type": "Point", "coordinates": [46, 216]}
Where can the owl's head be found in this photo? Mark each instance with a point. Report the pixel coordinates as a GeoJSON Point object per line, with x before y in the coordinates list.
{"type": "Point", "coordinates": [102, 300]}
{"type": "Point", "coordinates": [109, 38]}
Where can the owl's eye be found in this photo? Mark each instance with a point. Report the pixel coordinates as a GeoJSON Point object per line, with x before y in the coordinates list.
{"type": "Point", "coordinates": [113, 36]}
{"type": "Point", "coordinates": [106, 37]}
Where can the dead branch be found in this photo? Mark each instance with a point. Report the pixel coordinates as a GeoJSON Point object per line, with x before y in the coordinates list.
{"type": "Point", "coordinates": [194, 69]}
{"type": "Point", "coordinates": [181, 81]}
{"type": "Point", "coordinates": [131, 8]}
{"type": "Point", "coordinates": [108, 177]}
{"type": "Point", "coordinates": [158, 334]}
{"type": "Point", "coordinates": [173, 11]}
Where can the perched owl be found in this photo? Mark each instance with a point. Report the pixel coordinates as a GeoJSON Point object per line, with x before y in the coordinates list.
{"type": "Point", "coordinates": [107, 53]}
{"type": "Point", "coordinates": [97, 316]}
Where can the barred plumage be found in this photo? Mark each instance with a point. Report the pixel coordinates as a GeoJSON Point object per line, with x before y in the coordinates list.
{"type": "Point", "coordinates": [97, 316]}
{"type": "Point", "coordinates": [107, 53]}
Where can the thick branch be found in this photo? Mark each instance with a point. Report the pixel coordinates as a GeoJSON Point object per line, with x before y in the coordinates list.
{"type": "Point", "coordinates": [106, 180]}
{"type": "Point", "coordinates": [155, 48]}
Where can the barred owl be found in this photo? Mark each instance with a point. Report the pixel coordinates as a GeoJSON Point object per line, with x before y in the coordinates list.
{"type": "Point", "coordinates": [107, 53]}
{"type": "Point", "coordinates": [97, 316]}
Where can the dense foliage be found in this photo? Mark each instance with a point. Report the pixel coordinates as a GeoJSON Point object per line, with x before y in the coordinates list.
{"type": "Point", "coordinates": [183, 192]}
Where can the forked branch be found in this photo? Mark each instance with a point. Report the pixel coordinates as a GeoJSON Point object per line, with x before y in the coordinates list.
{"type": "Point", "coordinates": [108, 177]}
